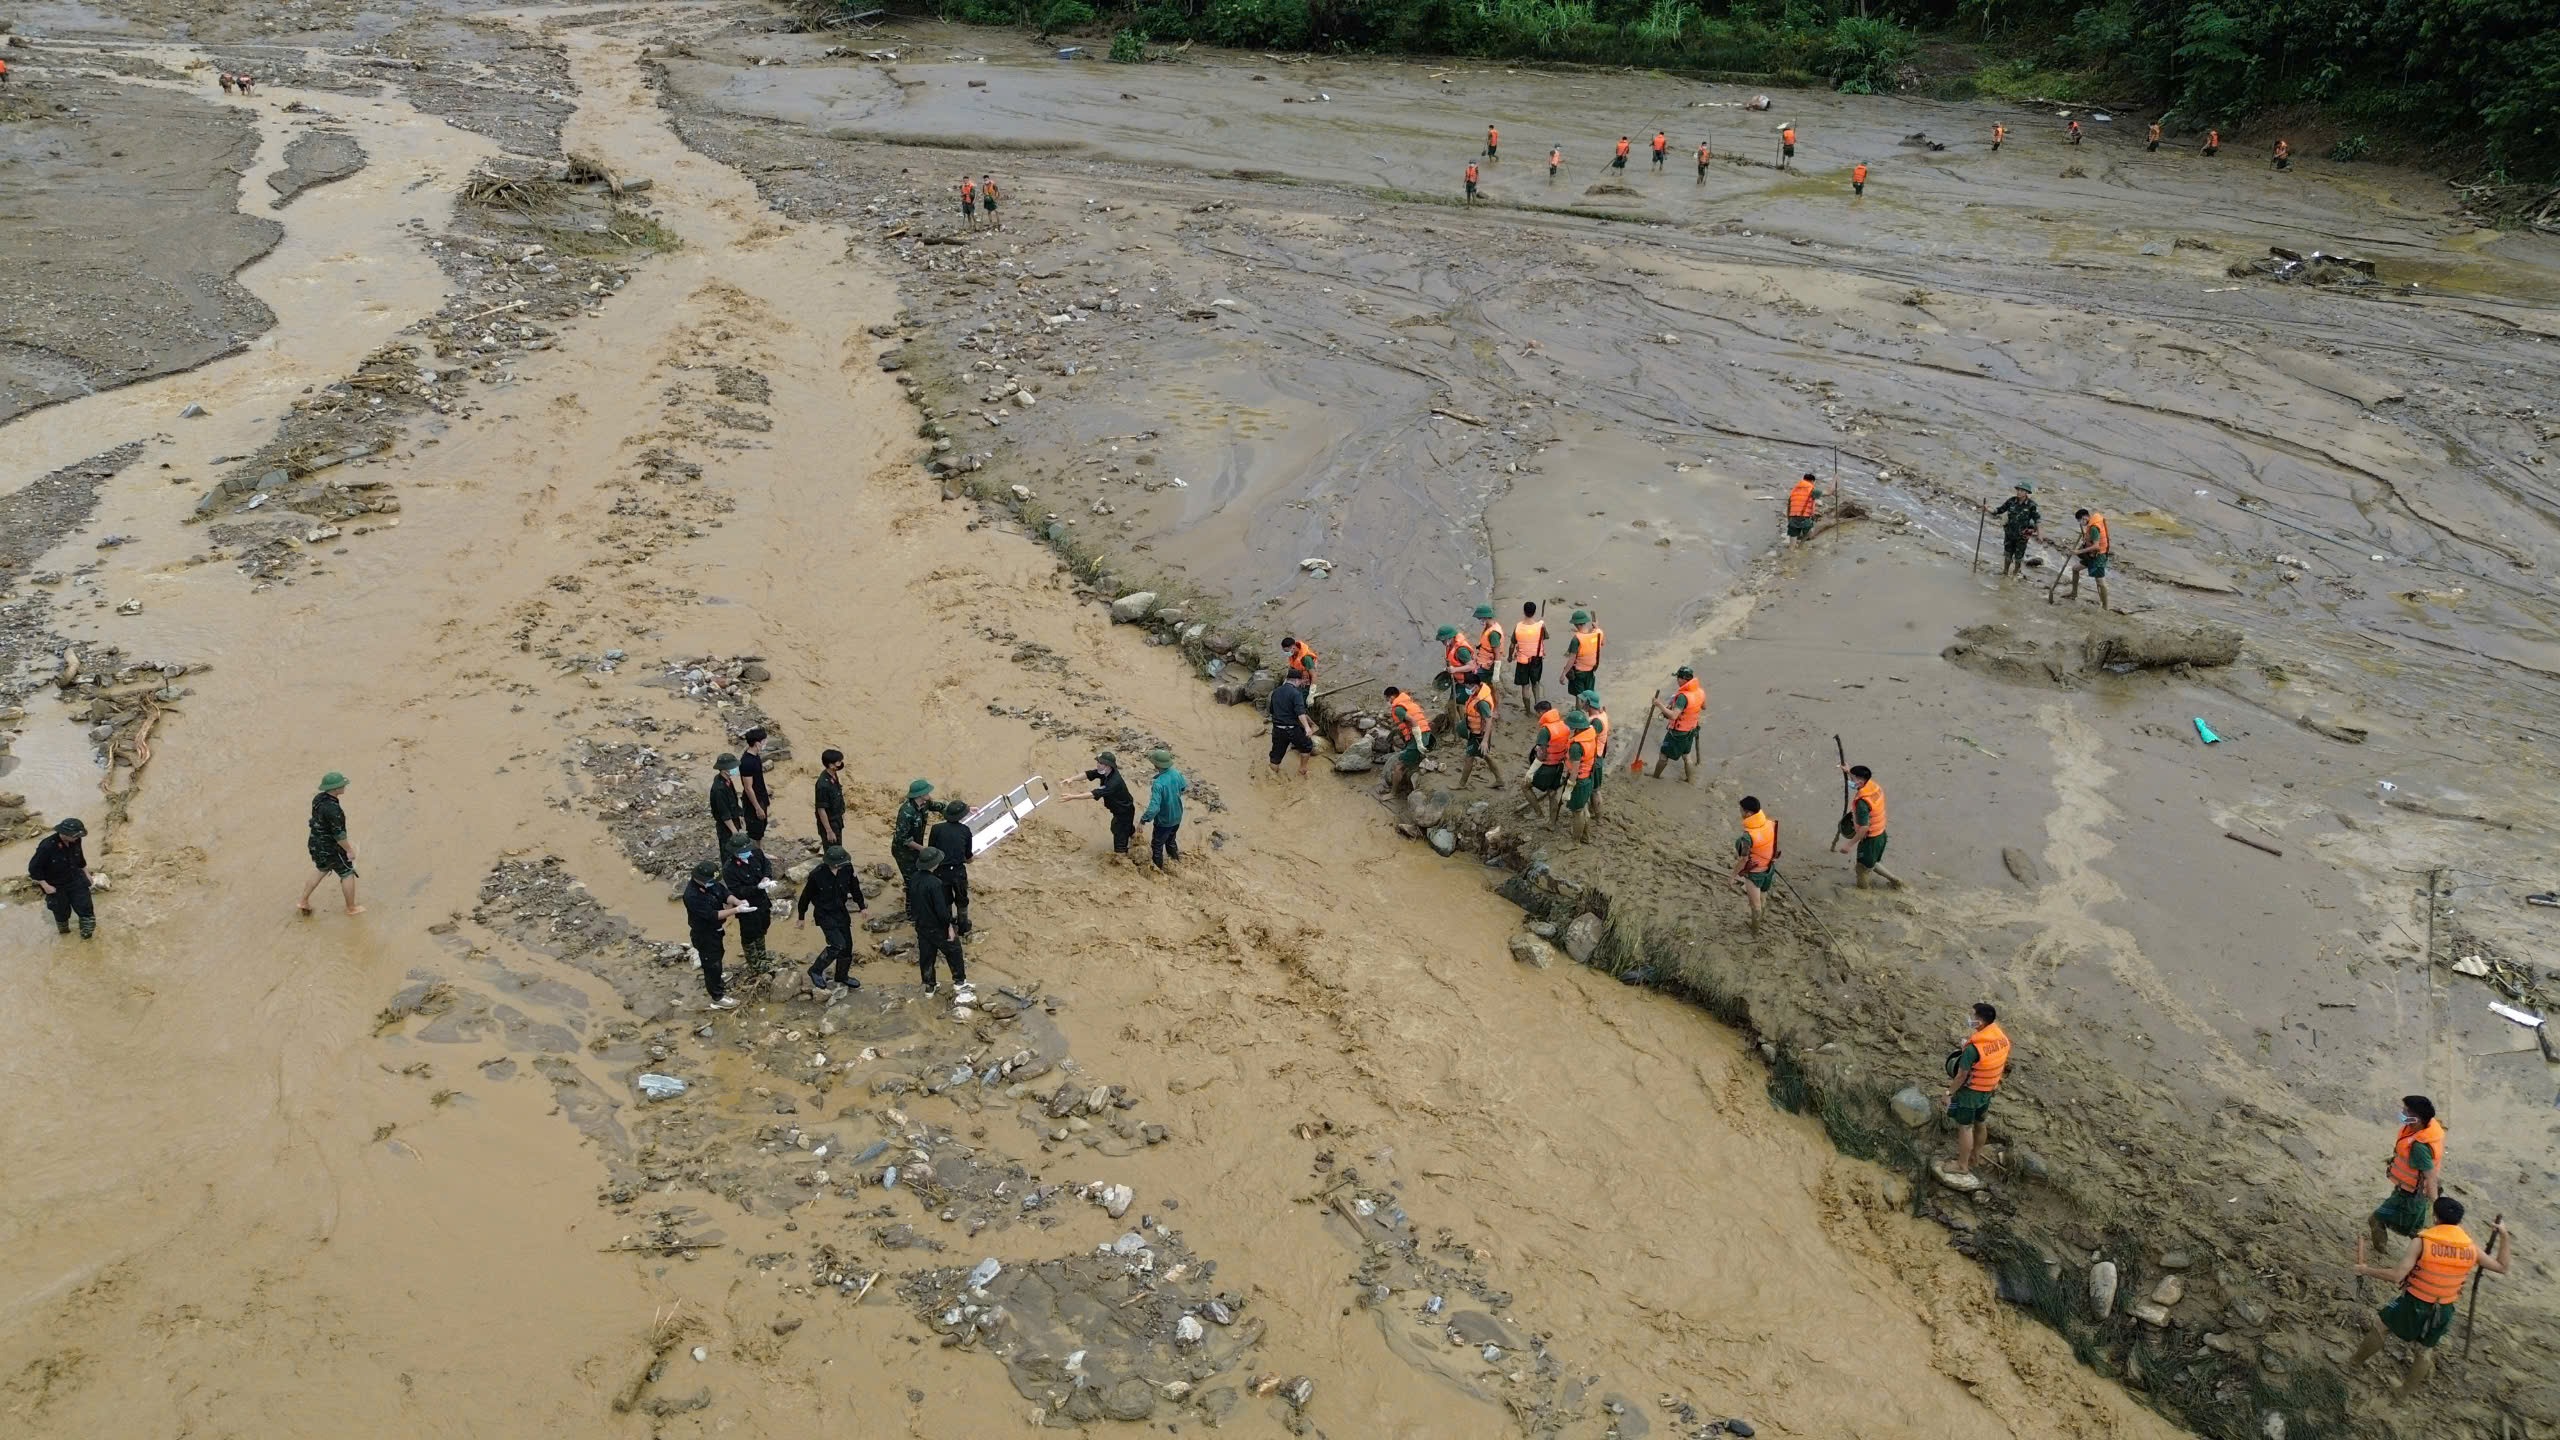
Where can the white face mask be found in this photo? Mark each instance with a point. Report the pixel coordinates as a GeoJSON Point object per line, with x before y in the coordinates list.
{"type": "Point", "coordinates": [2408, 1119]}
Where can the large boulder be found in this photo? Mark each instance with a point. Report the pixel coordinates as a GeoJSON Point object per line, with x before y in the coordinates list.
{"type": "Point", "coordinates": [1133, 607]}
{"type": "Point", "coordinates": [2128, 642]}
{"type": "Point", "coordinates": [1530, 950]}
{"type": "Point", "coordinates": [1582, 938]}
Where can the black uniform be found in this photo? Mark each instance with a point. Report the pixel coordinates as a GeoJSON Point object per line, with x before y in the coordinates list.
{"type": "Point", "coordinates": [59, 861]}
{"type": "Point", "coordinates": [751, 776]}
{"type": "Point", "coordinates": [1289, 723]}
{"type": "Point", "coordinates": [1113, 792]}
{"type": "Point", "coordinates": [702, 906]}
{"type": "Point", "coordinates": [834, 892]}
{"type": "Point", "coordinates": [830, 810]}
{"type": "Point", "coordinates": [743, 875]}
{"type": "Point", "coordinates": [929, 906]}
{"type": "Point", "coordinates": [913, 821]}
{"type": "Point", "coordinates": [953, 839]}
{"type": "Point", "coordinates": [727, 813]}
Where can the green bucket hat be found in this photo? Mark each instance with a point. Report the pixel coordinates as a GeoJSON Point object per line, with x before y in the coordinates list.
{"type": "Point", "coordinates": [71, 827]}
{"type": "Point", "coordinates": [1581, 617]}
{"type": "Point", "coordinates": [1447, 632]}
{"type": "Point", "coordinates": [1685, 673]}
{"type": "Point", "coordinates": [726, 763]}
{"type": "Point", "coordinates": [704, 870]}
{"type": "Point", "coordinates": [954, 809]}
{"type": "Point", "coordinates": [2029, 486]}
{"type": "Point", "coordinates": [929, 859]}
{"type": "Point", "coordinates": [1578, 720]}
{"type": "Point", "coordinates": [1107, 758]}
{"type": "Point", "coordinates": [1591, 700]}
{"type": "Point", "coordinates": [333, 781]}
{"type": "Point", "coordinates": [741, 843]}
{"type": "Point", "coordinates": [1484, 612]}
{"type": "Point", "coordinates": [916, 788]}
{"type": "Point", "coordinates": [1161, 756]}
{"type": "Point", "coordinates": [836, 856]}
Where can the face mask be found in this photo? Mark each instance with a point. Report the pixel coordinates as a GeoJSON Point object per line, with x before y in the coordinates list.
{"type": "Point", "coordinates": [2408, 1119]}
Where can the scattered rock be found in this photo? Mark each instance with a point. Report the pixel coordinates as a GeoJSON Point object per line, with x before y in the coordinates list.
{"type": "Point", "coordinates": [2248, 1312]}
{"type": "Point", "coordinates": [1912, 1107]}
{"type": "Point", "coordinates": [2022, 866]}
{"type": "Point", "coordinates": [1133, 607]}
{"type": "Point", "coordinates": [2149, 1313]}
{"type": "Point", "coordinates": [2102, 1289]}
{"type": "Point", "coordinates": [1532, 951]}
{"type": "Point", "coordinates": [1444, 840]}
{"type": "Point", "coordinates": [1582, 938]}
{"type": "Point", "coordinates": [2175, 1260]}
{"type": "Point", "coordinates": [1355, 761]}
{"type": "Point", "coordinates": [2170, 1290]}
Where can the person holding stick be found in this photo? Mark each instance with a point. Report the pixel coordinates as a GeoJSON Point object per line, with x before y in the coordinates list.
{"type": "Point", "coordinates": [1755, 867]}
{"type": "Point", "coordinates": [2018, 518]}
{"type": "Point", "coordinates": [2430, 1274]}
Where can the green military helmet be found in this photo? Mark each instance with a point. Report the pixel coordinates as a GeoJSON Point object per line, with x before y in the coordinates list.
{"type": "Point", "coordinates": [929, 859]}
{"type": "Point", "coordinates": [1581, 617]}
{"type": "Point", "coordinates": [919, 788]}
{"type": "Point", "coordinates": [837, 855]}
{"type": "Point", "coordinates": [1484, 612]}
{"type": "Point", "coordinates": [1447, 632]}
{"type": "Point", "coordinates": [1577, 720]}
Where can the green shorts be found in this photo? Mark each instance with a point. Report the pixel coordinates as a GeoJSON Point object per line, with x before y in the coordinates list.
{"type": "Point", "coordinates": [2013, 543]}
{"type": "Point", "coordinates": [1475, 747]}
{"type": "Point", "coordinates": [1762, 878]}
{"type": "Point", "coordinates": [1969, 1106]}
{"type": "Point", "coordinates": [1548, 778]}
{"type": "Point", "coordinates": [1676, 744]}
{"type": "Point", "coordinates": [2405, 1213]}
{"type": "Point", "coordinates": [1581, 795]}
{"type": "Point", "coordinates": [2096, 565]}
{"type": "Point", "coordinates": [1871, 852]}
{"type": "Point", "coordinates": [1798, 529]}
{"type": "Point", "coordinates": [1411, 755]}
{"type": "Point", "coordinates": [2415, 1320]}
{"type": "Point", "coordinates": [330, 860]}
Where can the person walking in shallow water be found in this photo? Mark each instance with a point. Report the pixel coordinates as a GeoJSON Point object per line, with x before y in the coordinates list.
{"type": "Point", "coordinates": [60, 869]}
{"type": "Point", "coordinates": [332, 853]}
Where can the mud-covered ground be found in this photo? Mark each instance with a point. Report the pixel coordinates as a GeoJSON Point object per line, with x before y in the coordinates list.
{"type": "Point", "coordinates": [571, 487]}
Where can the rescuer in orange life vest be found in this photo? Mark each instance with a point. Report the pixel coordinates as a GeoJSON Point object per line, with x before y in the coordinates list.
{"type": "Point", "coordinates": [1582, 654]}
{"type": "Point", "coordinates": [1680, 716]}
{"type": "Point", "coordinates": [2431, 1273]}
{"type": "Point", "coordinates": [1457, 673]}
{"type": "Point", "coordinates": [1865, 824]}
{"type": "Point", "coordinates": [1528, 653]}
{"type": "Point", "coordinates": [1804, 506]}
{"type": "Point", "coordinates": [1757, 848]}
{"type": "Point", "coordinates": [1973, 1072]}
{"type": "Point", "coordinates": [1549, 743]}
{"type": "Point", "coordinates": [1413, 727]}
{"type": "Point", "coordinates": [1477, 711]}
{"type": "Point", "coordinates": [2092, 553]}
{"type": "Point", "coordinates": [1582, 766]}
{"type": "Point", "coordinates": [2416, 1169]}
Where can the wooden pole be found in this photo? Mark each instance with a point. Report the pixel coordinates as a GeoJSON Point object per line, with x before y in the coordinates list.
{"type": "Point", "coordinates": [2473, 1312]}
{"type": "Point", "coordinates": [1981, 523]}
{"type": "Point", "coordinates": [1635, 762]}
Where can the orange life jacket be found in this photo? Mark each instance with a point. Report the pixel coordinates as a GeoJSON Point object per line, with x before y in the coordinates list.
{"type": "Point", "coordinates": [1622, 147]}
{"type": "Point", "coordinates": [1589, 740]}
{"type": "Point", "coordinates": [1409, 717]}
{"type": "Point", "coordinates": [989, 190]}
{"type": "Point", "coordinates": [1696, 710]}
{"type": "Point", "coordinates": [968, 190]}
{"type": "Point", "coordinates": [1763, 834]}
{"type": "Point", "coordinates": [1302, 660]}
{"type": "Point", "coordinates": [2446, 1258]}
{"type": "Point", "coordinates": [1489, 644]}
{"type": "Point", "coordinates": [1529, 641]}
{"type": "Point", "coordinates": [2283, 148]}
{"type": "Point", "coordinates": [1492, 137]}
{"type": "Point", "coordinates": [1551, 752]}
{"type": "Point", "coordinates": [2213, 139]}
{"type": "Point", "coordinates": [2155, 132]}
{"type": "Point", "coordinates": [1999, 133]}
{"type": "Point", "coordinates": [1800, 501]}
{"type": "Point", "coordinates": [1858, 172]}
{"type": "Point", "coordinates": [1460, 660]}
{"type": "Point", "coordinates": [1704, 154]}
{"type": "Point", "coordinates": [1661, 142]}
{"type": "Point", "coordinates": [1471, 172]}
{"type": "Point", "coordinates": [1480, 708]}
{"type": "Point", "coordinates": [2106, 541]}
{"type": "Point", "coordinates": [1555, 157]}
{"type": "Point", "coordinates": [1586, 650]}
{"type": "Point", "coordinates": [1873, 794]}
{"type": "Point", "coordinates": [1992, 1044]}
{"type": "Point", "coordinates": [2431, 1135]}
{"type": "Point", "coordinates": [2075, 127]}
{"type": "Point", "coordinates": [1600, 723]}
{"type": "Point", "coordinates": [1788, 135]}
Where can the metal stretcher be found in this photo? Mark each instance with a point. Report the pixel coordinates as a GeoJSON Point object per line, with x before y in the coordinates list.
{"type": "Point", "coordinates": [1004, 814]}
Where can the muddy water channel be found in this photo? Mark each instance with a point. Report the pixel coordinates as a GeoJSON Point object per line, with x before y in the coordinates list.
{"type": "Point", "coordinates": [1286, 1141]}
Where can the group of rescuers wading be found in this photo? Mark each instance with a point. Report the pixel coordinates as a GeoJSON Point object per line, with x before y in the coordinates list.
{"type": "Point", "coordinates": [2416, 1233]}
{"type": "Point", "coordinates": [1786, 138]}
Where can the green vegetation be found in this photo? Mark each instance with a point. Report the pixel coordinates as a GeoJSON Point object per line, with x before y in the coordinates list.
{"type": "Point", "coordinates": [2480, 77]}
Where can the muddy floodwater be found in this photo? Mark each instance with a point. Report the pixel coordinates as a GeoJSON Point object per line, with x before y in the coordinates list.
{"type": "Point", "coordinates": [596, 384]}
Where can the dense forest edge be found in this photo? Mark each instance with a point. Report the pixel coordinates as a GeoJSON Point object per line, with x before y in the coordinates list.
{"type": "Point", "coordinates": [2471, 87]}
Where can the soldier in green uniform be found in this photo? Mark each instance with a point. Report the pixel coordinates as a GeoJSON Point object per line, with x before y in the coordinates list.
{"type": "Point", "coordinates": [915, 817]}
{"type": "Point", "coordinates": [2018, 519]}
{"type": "Point", "coordinates": [332, 853]}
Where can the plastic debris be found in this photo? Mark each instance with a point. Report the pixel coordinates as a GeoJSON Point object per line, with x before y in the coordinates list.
{"type": "Point", "coordinates": [661, 1087]}
{"type": "Point", "coordinates": [986, 1270]}
{"type": "Point", "coordinates": [2205, 733]}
